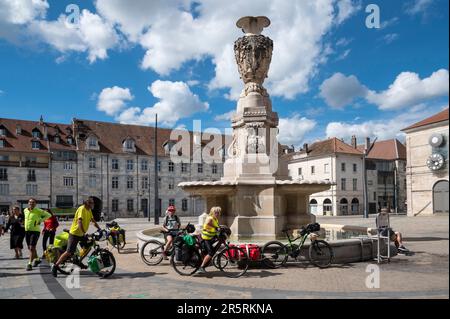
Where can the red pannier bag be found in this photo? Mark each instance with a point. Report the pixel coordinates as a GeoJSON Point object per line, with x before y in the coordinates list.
{"type": "Point", "coordinates": [253, 251]}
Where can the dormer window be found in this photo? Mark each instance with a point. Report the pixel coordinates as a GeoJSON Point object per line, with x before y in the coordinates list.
{"type": "Point", "coordinates": [36, 145]}
{"type": "Point", "coordinates": [18, 129]}
{"type": "Point", "coordinates": [129, 145]}
{"type": "Point", "coordinates": [70, 140]}
{"type": "Point", "coordinates": [36, 133]}
{"type": "Point", "coordinates": [57, 139]}
{"type": "Point", "coordinates": [2, 144]}
{"type": "Point", "coordinates": [92, 142]}
{"type": "Point", "coordinates": [168, 146]}
{"type": "Point", "coordinates": [2, 131]}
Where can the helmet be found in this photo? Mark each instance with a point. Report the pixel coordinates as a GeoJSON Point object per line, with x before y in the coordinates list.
{"type": "Point", "coordinates": [224, 231]}
{"type": "Point", "coordinates": [171, 208]}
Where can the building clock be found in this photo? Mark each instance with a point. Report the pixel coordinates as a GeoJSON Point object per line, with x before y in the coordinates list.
{"type": "Point", "coordinates": [435, 162]}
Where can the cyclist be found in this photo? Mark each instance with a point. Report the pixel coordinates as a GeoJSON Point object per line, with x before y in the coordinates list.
{"type": "Point", "coordinates": [209, 236]}
{"type": "Point", "coordinates": [33, 218]}
{"type": "Point", "coordinates": [171, 226]}
{"type": "Point", "coordinates": [80, 225]}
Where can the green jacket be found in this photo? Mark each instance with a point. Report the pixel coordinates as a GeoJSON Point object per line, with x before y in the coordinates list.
{"type": "Point", "coordinates": [34, 218]}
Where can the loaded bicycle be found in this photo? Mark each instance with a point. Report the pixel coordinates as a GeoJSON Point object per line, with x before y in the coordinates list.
{"type": "Point", "coordinates": [115, 235]}
{"type": "Point", "coordinates": [152, 250]}
{"type": "Point", "coordinates": [275, 254]}
{"type": "Point", "coordinates": [233, 261]}
{"type": "Point", "coordinates": [100, 260]}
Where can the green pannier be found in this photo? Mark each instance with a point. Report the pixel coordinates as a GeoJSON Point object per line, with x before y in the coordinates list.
{"type": "Point", "coordinates": [95, 264]}
{"type": "Point", "coordinates": [189, 240]}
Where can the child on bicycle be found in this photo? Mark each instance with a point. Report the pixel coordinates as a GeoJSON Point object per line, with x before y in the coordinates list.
{"type": "Point", "coordinates": [171, 226]}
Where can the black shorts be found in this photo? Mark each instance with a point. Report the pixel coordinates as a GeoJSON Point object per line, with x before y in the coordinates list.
{"type": "Point", "coordinates": [208, 245]}
{"type": "Point", "coordinates": [388, 232]}
{"type": "Point", "coordinates": [73, 242]}
{"type": "Point", "coordinates": [172, 233]}
{"type": "Point", "coordinates": [31, 238]}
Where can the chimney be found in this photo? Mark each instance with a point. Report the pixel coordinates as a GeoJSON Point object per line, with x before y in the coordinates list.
{"type": "Point", "coordinates": [367, 146]}
{"type": "Point", "coordinates": [354, 142]}
{"type": "Point", "coordinates": [305, 148]}
{"type": "Point", "coordinates": [18, 129]}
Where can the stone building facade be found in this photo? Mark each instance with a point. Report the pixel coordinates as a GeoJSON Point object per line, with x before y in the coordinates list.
{"type": "Point", "coordinates": [342, 163]}
{"type": "Point", "coordinates": [427, 172]}
{"type": "Point", "coordinates": [112, 162]}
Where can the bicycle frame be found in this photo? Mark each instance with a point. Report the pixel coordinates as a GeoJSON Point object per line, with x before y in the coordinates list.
{"type": "Point", "coordinates": [292, 241]}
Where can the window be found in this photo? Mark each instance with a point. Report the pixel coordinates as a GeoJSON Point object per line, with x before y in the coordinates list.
{"type": "Point", "coordinates": [370, 183]}
{"type": "Point", "coordinates": [115, 182]}
{"type": "Point", "coordinates": [313, 170]}
{"type": "Point", "coordinates": [130, 205]}
{"type": "Point", "coordinates": [144, 183]}
{"type": "Point", "coordinates": [57, 139]}
{"type": "Point", "coordinates": [114, 164]}
{"type": "Point", "coordinates": [171, 202]}
{"type": "Point", "coordinates": [327, 206]}
{"type": "Point", "coordinates": [343, 206]}
{"type": "Point", "coordinates": [36, 134]}
{"type": "Point", "coordinates": [92, 162]}
{"type": "Point", "coordinates": [144, 165]}
{"type": "Point", "coordinates": [31, 177]}
{"type": "Point", "coordinates": [69, 140]}
{"type": "Point", "coordinates": [355, 168]}
{"type": "Point", "coordinates": [92, 181]}
{"type": "Point", "coordinates": [375, 196]}
{"type": "Point", "coordinates": [343, 167]}
{"type": "Point", "coordinates": [130, 165]}
{"type": "Point", "coordinates": [130, 182]}
{"type": "Point", "coordinates": [68, 166]}
{"type": "Point", "coordinates": [92, 142]}
{"type": "Point", "coordinates": [214, 168]}
{"type": "Point", "coordinates": [4, 189]}
{"type": "Point", "coordinates": [3, 174]}
{"type": "Point", "coordinates": [64, 201]}
{"type": "Point", "coordinates": [115, 205]}
{"type": "Point", "coordinates": [171, 183]}
{"type": "Point", "coordinates": [355, 184]}
{"type": "Point", "coordinates": [68, 181]}
{"type": "Point", "coordinates": [343, 182]}
{"type": "Point", "coordinates": [326, 168]}
{"type": "Point", "coordinates": [129, 144]}
{"type": "Point", "coordinates": [31, 189]}
{"type": "Point", "coordinates": [159, 166]}
{"type": "Point", "coordinates": [184, 205]}
{"type": "Point", "coordinates": [30, 160]}
{"type": "Point", "coordinates": [36, 145]}
{"type": "Point", "coordinates": [2, 131]}
{"type": "Point", "coordinates": [2, 144]}
{"type": "Point", "coordinates": [171, 167]}
{"type": "Point", "coordinates": [184, 167]}
{"type": "Point", "coordinates": [299, 171]}
{"type": "Point", "coordinates": [355, 206]}
{"type": "Point", "coordinates": [200, 168]}
{"type": "Point", "coordinates": [4, 158]}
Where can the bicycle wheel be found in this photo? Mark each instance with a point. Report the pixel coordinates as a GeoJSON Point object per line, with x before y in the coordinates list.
{"type": "Point", "coordinates": [233, 262]}
{"type": "Point", "coordinates": [320, 253]}
{"type": "Point", "coordinates": [274, 254]}
{"type": "Point", "coordinates": [109, 263]}
{"type": "Point", "coordinates": [151, 252]}
{"type": "Point", "coordinates": [189, 265]}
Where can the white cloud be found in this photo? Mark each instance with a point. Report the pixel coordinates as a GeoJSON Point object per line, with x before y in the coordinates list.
{"type": "Point", "coordinates": [2, 92]}
{"type": "Point", "coordinates": [22, 11]}
{"type": "Point", "coordinates": [381, 128]}
{"type": "Point", "coordinates": [293, 129]}
{"type": "Point", "coordinates": [418, 6]}
{"type": "Point", "coordinates": [388, 23]}
{"type": "Point", "coordinates": [343, 42]}
{"type": "Point", "coordinates": [408, 89]}
{"type": "Point", "coordinates": [391, 37]}
{"type": "Point", "coordinates": [344, 55]}
{"type": "Point", "coordinates": [113, 100]}
{"type": "Point", "coordinates": [172, 36]}
{"type": "Point", "coordinates": [347, 8]}
{"type": "Point", "coordinates": [93, 35]}
{"type": "Point", "coordinates": [340, 90]}
{"type": "Point", "coordinates": [225, 117]}
{"type": "Point", "coordinates": [176, 101]}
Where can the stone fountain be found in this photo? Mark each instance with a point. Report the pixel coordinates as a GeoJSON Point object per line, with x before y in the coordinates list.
{"type": "Point", "coordinates": [257, 196]}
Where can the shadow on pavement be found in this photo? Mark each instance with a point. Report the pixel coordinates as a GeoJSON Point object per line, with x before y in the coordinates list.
{"type": "Point", "coordinates": [215, 274]}
{"type": "Point", "coordinates": [25, 273]}
{"type": "Point", "coordinates": [424, 238]}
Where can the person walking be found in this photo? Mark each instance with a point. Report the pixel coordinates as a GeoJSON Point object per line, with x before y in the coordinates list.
{"type": "Point", "coordinates": [2, 224]}
{"type": "Point", "coordinates": [80, 225]}
{"type": "Point", "coordinates": [17, 231]}
{"type": "Point", "coordinates": [34, 216]}
{"type": "Point", "coordinates": [49, 231]}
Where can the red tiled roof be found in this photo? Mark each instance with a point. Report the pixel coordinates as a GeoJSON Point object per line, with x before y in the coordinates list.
{"type": "Point", "coordinates": [439, 117]}
{"type": "Point", "coordinates": [22, 142]}
{"type": "Point", "coordinates": [330, 146]}
{"type": "Point", "coordinates": [386, 150]}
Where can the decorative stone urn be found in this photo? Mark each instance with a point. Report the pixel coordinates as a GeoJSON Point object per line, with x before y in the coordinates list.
{"type": "Point", "coordinates": [257, 196]}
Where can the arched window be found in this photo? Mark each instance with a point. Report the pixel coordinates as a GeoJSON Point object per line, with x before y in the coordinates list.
{"type": "Point", "coordinates": [327, 206]}
{"type": "Point", "coordinates": [355, 206]}
{"type": "Point", "coordinates": [440, 197]}
{"type": "Point", "coordinates": [313, 206]}
{"type": "Point", "coordinates": [343, 206]}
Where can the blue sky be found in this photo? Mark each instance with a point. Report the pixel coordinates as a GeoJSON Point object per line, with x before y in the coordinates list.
{"type": "Point", "coordinates": [330, 75]}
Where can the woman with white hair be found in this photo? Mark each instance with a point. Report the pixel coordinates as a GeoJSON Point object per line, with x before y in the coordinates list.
{"type": "Point", "coordinates": [209, 235]}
